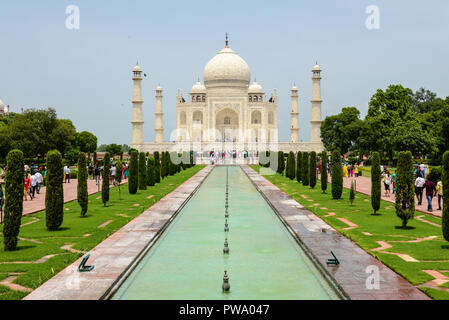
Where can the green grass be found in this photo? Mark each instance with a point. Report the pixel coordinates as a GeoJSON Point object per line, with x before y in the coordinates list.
{"type": "Point", "coordinates": [384, 227]}
{"type": "Point", "coordinates": [82, 233]}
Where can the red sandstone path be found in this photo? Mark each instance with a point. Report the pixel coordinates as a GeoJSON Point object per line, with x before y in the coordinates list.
{"type": "Point", "coordinates": [70, 194]}
{"type": "Point", "coordinates": [364, 186]}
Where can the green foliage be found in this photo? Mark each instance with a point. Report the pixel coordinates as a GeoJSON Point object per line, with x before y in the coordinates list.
{"type": "Point", "coordinates": [324, 171]}
{"type": "Point", "coordinates": [405, 201]}
{"type": "Point", "coordinates": [341, 131]}
{"type": "Point", "coordinates": [445, 219]}
{"type": "Point", "coordinates": [281, 162]}
{"type": "Point", "coordinates": [133, 179]}
{"type": "Point", "coordinates": [82, 183]}
{"type": "Point", "coordinates": [54, 195]}
{"type": "Point", "coordinates": [305, 168]}
{"type": "Point", "coordinates": [375, 182]}
{"type": "Point", "coordinates": [352, 192]}
{"type": "Point", "coordinates": [435, 174]}
{"type": "Point", "coordinates": [151, 171]}
{"type": "Point", "coordinates": [291, 167]}
{"type": "Point", "coordinates": [142, 172]}
{"type": "Point", "coordinates": [171, 165]}
{"type": "Point", "coordinates": [13, 199]}
{"type": "Point", "coordinates": [298, 166]}
{"type": "Point", "coordinates": [312, 169]}
{"type": "Point", "coordinates": [114, 149]}
{"type": "Point", "coordinates": [105, 176]}
{"type": "Point", "coordinates": [337, 175]}
{"type": "Point", "coordinates": [86, 142]}
{"type": "Point", "coordinates": [157, 167]}
{"type": "Point", "coordinates": [164, 165]}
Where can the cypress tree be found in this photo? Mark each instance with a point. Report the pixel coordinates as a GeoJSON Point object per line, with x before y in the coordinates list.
{"type": "Point", "coordinates": [133, 179]}
{"type": "Point", "coordinates": [281, 162]}
{"type": "Point", "coordinates": [445, 180]}
{"type": "Point", "coordinates": [298, 166]}
{"type": "Point", "coordinates": [105, 176]}
{"type": "Point", "coordinates": [375, 182]}
{"type": "Point", "coordinates": [13, 198]}
{"type": "Point", "coordinates": [324, 171]}
{"type": "Point", "coordinates": [312, 171]}
{"type": "Point", "coordinates": [54, 195]}
{"type": "Point", "coordinates": [171, 166]}
{"type": "Point", "coordinates": [287, 169]}
{"type": "Point", "coordinates": [405, 195]}
{"type": "Point", "coordinates": [118, 176]}
{"type": "Point", "coordinates": [151, 172]}
{"type": "Point", "coordinates": [142, 172]}
{"type": "Point", "coordinates": [291, 165]}
{"type": "Point", "coordinates": [352, 192]}
{"type": "Point", "coordinates": [305, 168]}
{"type": "Point", "coordinates": [337, 175]}
{"type": "Point", "coordinates": [163, 165]}
{"type": "Point", "coordinates": [157, 167]}
{"type": "Point", "coordinates": [82, 183]}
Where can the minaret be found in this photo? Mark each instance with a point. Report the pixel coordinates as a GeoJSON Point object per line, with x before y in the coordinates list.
{"type": "Point", "coordinates": [137, 121]}
{"type": "Point", "coordinates": [159, 128]}
{"type": "Point", "coordinates": [315, 132]}
{"type": "Point", "coordinates": [294, 129]}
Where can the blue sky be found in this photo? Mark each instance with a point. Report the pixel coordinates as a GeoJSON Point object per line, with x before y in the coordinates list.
{"type": "Point", "coordinates": [85, 74]}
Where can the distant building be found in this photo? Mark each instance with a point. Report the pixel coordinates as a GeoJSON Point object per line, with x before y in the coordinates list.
{"type": "Point", "coordinates": [4, 109]}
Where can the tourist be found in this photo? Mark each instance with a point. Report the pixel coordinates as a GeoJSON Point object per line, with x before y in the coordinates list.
{"type": "Point", "coordinates": [439, 188]}
{"type": "Point", "coordinates": [97, 174]}
{"type": "Point", "coordinates": [393, 181]}
{"type": "Point", "coordinates": [356, 170]}
{"type": "Point", "coordinates": [66, 174]}
{"type": "Point", "coordinates": [33, 184]}
{"type": "Point", "coordinates": [345, 170]}
{"type": "Point", "coordinates": [419, 185]}
{"type": "Point", "coordinates": [381, 168]}
{"type": "Point", "coordinates": [26, 188]}
{"type": "Point", "coordinates": [387, 182]}
{"type": "Point", "coordinates": [430, 193]}
{"type": "Point", "coordinates": [113, 171]}
{"type": "Point", "coordinates": [40, 180]}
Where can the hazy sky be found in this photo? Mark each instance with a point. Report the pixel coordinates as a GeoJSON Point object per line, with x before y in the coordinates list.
{"type": "Point", "coordinates": [86, 75]}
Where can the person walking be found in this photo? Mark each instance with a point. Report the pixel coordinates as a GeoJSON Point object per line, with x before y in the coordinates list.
{"type": "Point", "coordinates": [67, 174]}
{"type": "Point", "coordinates": [26, 188]}
{"type": "Point", "coordinates": [430, 193]}
{"type": "Point", "coordinates": [33, 184]}
{"type": "Point", "coordinates": [419, 185]}
{"type": "Point", "coordinates": [387, 182]}
{"type": "Point", "coordinates": [113, 171]}
{"type": "Point", "coordinates": [39, 181]}
{"type": "Point", "coordinates": [439, 188]}
{"type": "Point", "coordinates": [345, 170]}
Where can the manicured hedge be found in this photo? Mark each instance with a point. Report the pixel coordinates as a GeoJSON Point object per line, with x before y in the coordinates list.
{"type": "Point", "coordinates": [445, 178]}
{"type": "Point", "coordinates": [82, 183]}
{"type": "Point", "coordinates": [312, 169]}
{"type": "Point", "coordinates": [299, 166]}
{"type": "Point", "coordinates": [305, 168]}
{"type": "Point", "coordinates": [405, 195]}
{"type": "Point", "coordinates": [337, 175]}
{"type": "Point", "coordinates": [54, 195]}
{"type": "Point", "coordinates": [142, 172]}
{"type": "Point", "coordinates": [133, 179]}
{"type": "Point", "coordinates": [324, 171]}
{"type": "Point", "coordinates": [105, 177]}
{"type": "Point", "coordinates": [375, 182]}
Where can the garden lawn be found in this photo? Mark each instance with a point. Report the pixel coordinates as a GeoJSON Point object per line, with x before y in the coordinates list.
{"type": "Point", "coordinates": [431, 253]}
{"type": "Point", "coordinates": [40, 253]}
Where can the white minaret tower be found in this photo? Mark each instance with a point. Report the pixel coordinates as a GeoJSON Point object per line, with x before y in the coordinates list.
{"type": "Point", "coordinates": [137, 121]}
{"type": "Point", "coordinates": [159, 128]}
{"type": "Point", "coordinates": [315, 132]}
{"type": "Point", "coordinates": [294, 129]}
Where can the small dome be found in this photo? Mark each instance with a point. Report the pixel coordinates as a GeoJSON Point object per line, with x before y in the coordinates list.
{"type": "Point", "coordinates": [255, 88]}
{"type": "Point", "coordinates": [137, 68]}
{"type": "Point", "coordinates": [316, 67]}
{"type": "Point", "coordinates": [198, 88]}
{"type": "Point", "coordinates": [227, 68]}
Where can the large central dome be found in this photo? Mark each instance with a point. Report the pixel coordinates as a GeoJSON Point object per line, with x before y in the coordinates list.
{"type": "Point", "coordinates": [227, 69]}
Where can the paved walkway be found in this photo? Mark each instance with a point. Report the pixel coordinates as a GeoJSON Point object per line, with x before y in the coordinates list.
{"type": "Point", "coordinates": [70, 194]}
{"type": "Point", "coordinates": [116, 256]}
{"type": "Point", "coordinates": [364, 186]}
{"type": "Point", "coordinates": [356, 266]}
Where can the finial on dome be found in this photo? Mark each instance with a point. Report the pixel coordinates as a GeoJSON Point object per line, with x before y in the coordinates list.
{"type": "Point", "coordinates": [227, 41]}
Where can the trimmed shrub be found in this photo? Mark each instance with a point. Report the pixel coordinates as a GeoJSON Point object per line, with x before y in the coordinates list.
{"type": "Point", "coordinates": [105, 176]}
{"type": "Point", "coordinates": [298, 166]}
{"type": "Point", "coordinates": [352, 192]}
{"type": "Point", "coordinates": [157, 167]}
{"type": "Point", "coordinates": [337, 175]}
{"type": "Point", "coordinates": [133, 180]}
{"type": "Point", "coordinates": [375, 182]}
{"type": "Point", "coordinates": [142, 172]}
{"type": "Point", "coordinates": [82, 183]}
{"type": "Point", "coordinates": [324, 171]}
{"type": "Point", "coordinates": [164, 168]}
{"type": "Point", "coordinates": [171, 166]}
{"type": "Point", "coordinates": [305, 169]}
{"type": "Point", "coordinates": [151, 172]}
{"type": "Point", "coordinates": [54, 195]}
{"type": "Point", "coordinates": [312, 169]}
{"type": "Point", "coordinates": [290, 171]}
{"type": "Point", "coordinates": [281, 162]}
{"type": "Point", "coordinates": [13, 198]}
{"type": "Point", "coordinates": [405, 196]}
{"type": "Point", "coordinates": [445, 179]}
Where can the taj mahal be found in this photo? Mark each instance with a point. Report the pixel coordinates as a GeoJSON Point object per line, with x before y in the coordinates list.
{"type": "Point", "coordinates": [226, 113]}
